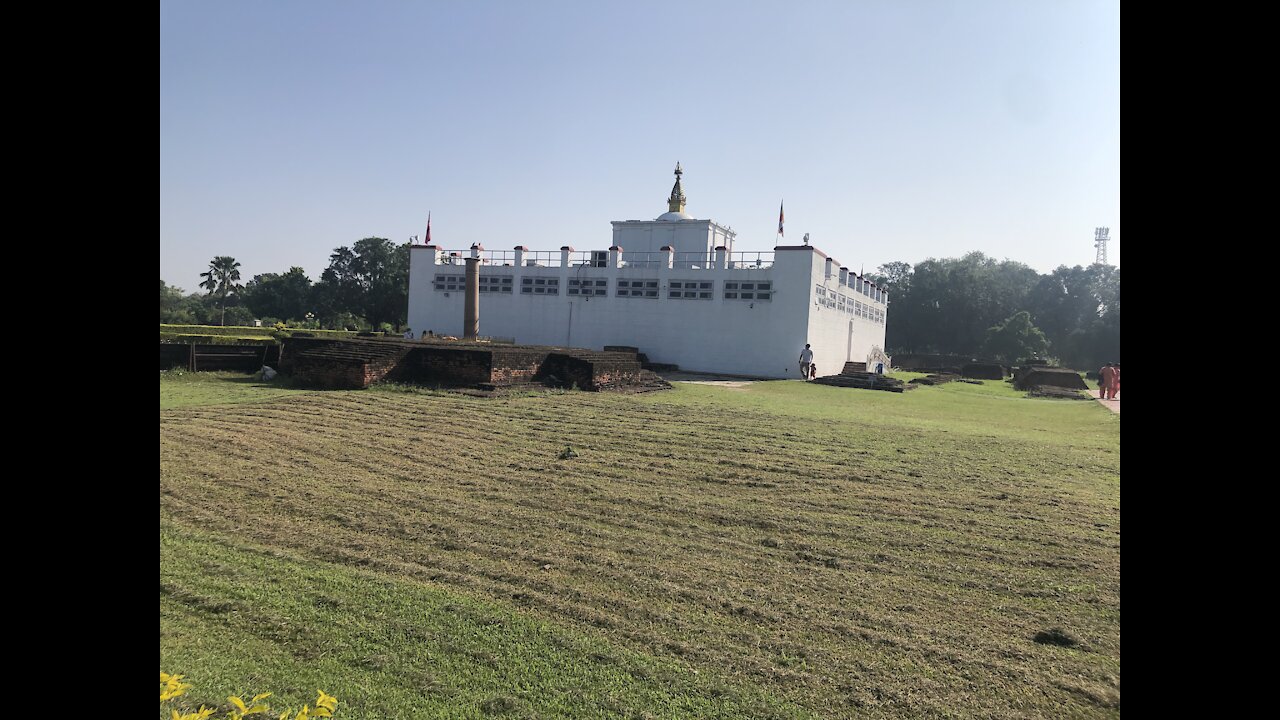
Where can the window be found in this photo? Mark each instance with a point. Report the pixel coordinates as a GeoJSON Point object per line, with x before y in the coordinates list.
{"type": "Point", "coordinates": [689, 290]}
{"type": "Point", "coordinates": [747, 291]}
{"type": "Point", "coordinates": [450, 283]}
{"type": "Point", "coordinates": [638, 288]}
{"type": "Point", "coordinates": [826, 297]}
{"type": "Point", "coordinates": [588, 287]}
{"type": "Point", "coordinates": [539, 286]}
{"type": "Point", "coordinates": [493, 284]}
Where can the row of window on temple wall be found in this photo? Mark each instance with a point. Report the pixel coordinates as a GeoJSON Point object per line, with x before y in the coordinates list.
{"type": "Point", "coordinates": [838, 301]}
{"type": "Point", "coordinates": [647, 288]}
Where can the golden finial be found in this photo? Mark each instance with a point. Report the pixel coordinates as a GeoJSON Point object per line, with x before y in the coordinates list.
{"type": "Point", "coordinates": [676, 202]}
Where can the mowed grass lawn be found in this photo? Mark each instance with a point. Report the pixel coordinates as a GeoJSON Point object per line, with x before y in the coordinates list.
{"type": "Point", "coordinates": [780, 550]}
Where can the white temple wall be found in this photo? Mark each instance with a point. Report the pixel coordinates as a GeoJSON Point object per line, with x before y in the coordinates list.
{"type": "Point", "coordinates": [760, 338]}
{"type": "Point", "coordinates": [837, 335]}
{"type": "Point", "coordinates": [686, 236]}
{"type": "Point", "coordinates": [742, 337]}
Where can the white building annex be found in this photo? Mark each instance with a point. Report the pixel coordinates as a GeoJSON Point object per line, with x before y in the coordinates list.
{"type": "Point", "coordinates": [674, 287]}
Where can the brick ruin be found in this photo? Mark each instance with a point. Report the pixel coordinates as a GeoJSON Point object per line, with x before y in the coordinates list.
{"type": "Point", "coordinates": [358, 363]}
{"type": "Point", "coordinates": [1032, 376]}
{"type": "Point", "coordinates": [984, 371]}
{"type": "Point", "coordinates": [855, 375]}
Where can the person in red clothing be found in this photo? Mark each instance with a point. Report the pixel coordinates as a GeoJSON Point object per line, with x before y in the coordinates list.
{"type": "Point", "coordinates": [1115, 382]}
{"type": "Point", "coordinates": [1105, 377]}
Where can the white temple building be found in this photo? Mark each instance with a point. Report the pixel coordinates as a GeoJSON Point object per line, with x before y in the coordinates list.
{"type": "Point", "coordinates": [675, 288]}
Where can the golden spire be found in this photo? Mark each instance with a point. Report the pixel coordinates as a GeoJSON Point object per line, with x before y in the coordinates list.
{"type": "Point", "coordinates": [675, 203]}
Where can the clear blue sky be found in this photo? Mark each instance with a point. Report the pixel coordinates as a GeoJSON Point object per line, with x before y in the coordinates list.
{"type": "Point", "coordinates": [894, 129]}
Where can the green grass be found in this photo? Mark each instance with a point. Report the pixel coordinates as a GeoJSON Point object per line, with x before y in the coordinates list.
{"type": "Point", "coordinates": [240, 619]}
{"type": "Point", "coordinates": [180, 388]}
{"type": "Point", "coordinates": [805, 549]}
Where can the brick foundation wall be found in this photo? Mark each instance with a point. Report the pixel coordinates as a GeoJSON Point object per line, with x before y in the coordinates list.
{"type": "Point", "coordinates": [449, 366]}
{"type": "Point", "coordinates": [358, 364]}
{"type": "Point", "coordinates": [983, 371]}
{"type": "Point", "coordinates": [329, 374]}
{"type": "Point", "coordinates": [517, 365]}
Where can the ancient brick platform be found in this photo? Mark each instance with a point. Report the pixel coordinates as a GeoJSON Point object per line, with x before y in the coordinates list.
{"type": "Point", "coordinates": [853, 377]}
{"type": "Point", "coordinates": [984, 371]}
{"type": "Point", "coordinates": [1032, 375]}
{"type": "Point", "coordinates": [358, 363]}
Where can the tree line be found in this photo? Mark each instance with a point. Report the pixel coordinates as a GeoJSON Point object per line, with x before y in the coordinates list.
{"type": "Point", "coordinates": [365, 286]}
{"type": "Point", "coordinates": [971, 305]}
{"type": "Point", "coordinates": [1006, 311]}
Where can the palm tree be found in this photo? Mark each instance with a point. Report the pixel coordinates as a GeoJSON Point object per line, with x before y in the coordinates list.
{"type": "Point", "coordinates": [221, 280]}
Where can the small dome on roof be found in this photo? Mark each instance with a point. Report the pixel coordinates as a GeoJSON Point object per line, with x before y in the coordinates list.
{"type": "Point", "coordinates": [679, 215]}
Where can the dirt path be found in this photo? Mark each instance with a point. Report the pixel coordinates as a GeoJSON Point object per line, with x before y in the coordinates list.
{"type": "Point", "coordinates": [1112, 405]}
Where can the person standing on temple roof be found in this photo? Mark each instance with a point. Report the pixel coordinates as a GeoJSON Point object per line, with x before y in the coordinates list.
{"type": "Point", "coordinates": [408, 333]}
{"type": "Point", "coordinates": [806, 363]}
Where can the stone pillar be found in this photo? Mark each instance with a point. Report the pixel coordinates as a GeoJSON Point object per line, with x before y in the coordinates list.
{"type": "Point", "coordinates": [722, 257]}
{"type": "Point", "coordinates": [844, 276]}
{"type": "Point", "coordinates": [471, 305]}
{"type": "Point", "coordinates": [520, 251]}
{"type": "Point", "coordinates": [565, 251]}
{"type": "Point", "coordinates": [830, 265]}
{"type": "Point", "coordinates": [669, 261]}
{"type": "Point", "coordinates": [615, 256]}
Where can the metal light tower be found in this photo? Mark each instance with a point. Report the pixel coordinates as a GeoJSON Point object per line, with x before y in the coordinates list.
{"type": "Point", "coordinates": [1100, 238]}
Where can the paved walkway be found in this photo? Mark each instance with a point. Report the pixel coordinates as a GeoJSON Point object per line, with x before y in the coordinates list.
{"type": "Point", "coordinates": [1112, 405]}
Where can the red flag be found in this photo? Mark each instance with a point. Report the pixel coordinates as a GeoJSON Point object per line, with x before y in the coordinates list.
{"type": "Point", "coordinates": [780, 220]}
{"type": "Point", "coordinates": [428, 228]}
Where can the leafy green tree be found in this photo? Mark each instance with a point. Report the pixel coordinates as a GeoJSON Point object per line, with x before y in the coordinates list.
{"type": "Point", "coordinates": [947, 305]}
{"type": "Point", "coordinates": [222, 279]}
{"type": "Point", "coordinates": [1015, 339]}
{"type": "Point", "coordinates": [174, 307]}
{"type": "Point", "coordinates": [895, 277]}
{"type": "Point", "coordinates": [369, 279]}
{"type": "Point", "coordinates": [285, 295]}
{"type": "Point", "coordinates": [239, 315]}
{"type": "Point", "coordinates": [345, 321]}
{"type": "Point", "coordinates": [1079, 310]}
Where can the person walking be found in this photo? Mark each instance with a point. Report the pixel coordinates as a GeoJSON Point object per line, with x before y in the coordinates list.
{"type": "Point", "coordinates": [1115, 382]}
{"type": "Point", "coordinates": [1105, 376]}
{"type": "Point", "coordinates": [806, 363]}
